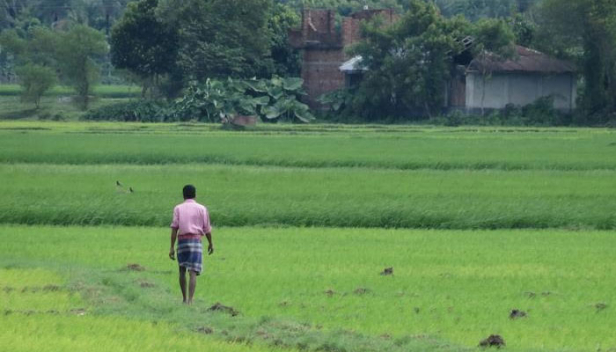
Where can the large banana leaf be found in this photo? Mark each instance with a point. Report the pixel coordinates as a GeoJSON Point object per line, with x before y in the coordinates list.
{"type": "Point", "coordinates": [292, 84]}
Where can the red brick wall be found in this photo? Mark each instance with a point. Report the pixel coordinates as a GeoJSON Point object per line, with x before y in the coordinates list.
{"type": "Point", "coordinates": [321, 73]}
{"type": "Point", "coordinates": [324, 47]}
{"type": "Point", "coordinates": [323, 21]}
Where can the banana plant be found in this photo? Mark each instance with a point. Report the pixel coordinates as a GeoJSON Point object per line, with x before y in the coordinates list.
{"type": "Point", "coordinates": [215, 100]}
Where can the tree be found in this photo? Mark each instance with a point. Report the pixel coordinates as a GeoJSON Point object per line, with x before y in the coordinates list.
{"type": "Point", "coordinates": [34, 58]}
{"type": "Point", "coordinates": [220, 38]}
{"type": "Point", "coordinates": [75, 51]}
{"type": "Point", "coordinates": [585, 31]}
{"type": "Point", "coordinates": [286, 59]}
{"type": "Point", "coordinates": [35, 81]}
{"type": "Point", "coordinates": [524, 28]}
{"type": "Point", "coordinates": [346, 7]}
{"type": "Point", "coordinates": [143, 44]}
{"type": "Point", "coordinates": [477, 9]}
{"type": "Point", "coordinates": [409, 63]}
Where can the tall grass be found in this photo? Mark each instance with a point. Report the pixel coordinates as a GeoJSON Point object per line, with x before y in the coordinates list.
{"type": "Point", "coordinates": [239, 196]}
{"type": "Point", "coordinates": [442, 149]}
{"type": "Point", "coordinates": [103, 91]}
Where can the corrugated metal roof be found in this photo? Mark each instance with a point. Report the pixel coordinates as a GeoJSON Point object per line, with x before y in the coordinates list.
{"type": "Point", "coordinates": [527, 60]}
{"type": "Point", "coordinates": [352, 65]}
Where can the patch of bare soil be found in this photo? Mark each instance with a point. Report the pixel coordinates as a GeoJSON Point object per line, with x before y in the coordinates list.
{"type": "Point", "coordinates": [205, 330]}
{"type": "Point", "coordinates": [361, 291]}
{"type": "Point", "coordinates": [493, 341]}
{"type": "Point", "coordinates": [530, 294]}
{"type": "Point", "coordinates": [36, 289]}
{"type": "Point", "coordinates": [134, 267]}
{"type": "Point", "coordinates": [219, 307]}
{"type": "Point", "coordinates": [600, 306]}
{"type": "Point", "coordinates": [516, 313]}
{"type": "Point", "coordinates": [330, 292]}
{"type": "Point", "coordinates": [387, 271]}
{"type": "Point", "coordinates": [145, 284]}
{"type": "Point", "coordinates": [51, 288]}
{"type": "Point", "coordinates": [78, 311]}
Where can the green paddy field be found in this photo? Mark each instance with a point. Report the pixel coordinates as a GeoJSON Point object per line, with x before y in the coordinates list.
{"type": "Point", "coordinates": [475, 222]}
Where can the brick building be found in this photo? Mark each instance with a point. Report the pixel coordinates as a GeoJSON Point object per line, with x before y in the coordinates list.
{"type": "Point", "coordinates": [323, 40]}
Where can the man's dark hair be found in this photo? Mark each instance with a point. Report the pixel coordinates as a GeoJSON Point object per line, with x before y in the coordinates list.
{"type": "Point", "coordinates": [189, 192]}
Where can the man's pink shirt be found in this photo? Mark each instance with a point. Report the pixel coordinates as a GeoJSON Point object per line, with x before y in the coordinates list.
{"type": "Point", "coordinates": [191, 217]}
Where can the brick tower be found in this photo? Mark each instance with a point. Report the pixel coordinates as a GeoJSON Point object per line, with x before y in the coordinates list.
{"type": "Point", "coordinates": [323, 43]}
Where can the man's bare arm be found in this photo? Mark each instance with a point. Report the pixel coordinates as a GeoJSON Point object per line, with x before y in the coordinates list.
{"type": "Point", "coordinates": [210, 247]}
{"type": "Point", "coordinates": [174, 236]}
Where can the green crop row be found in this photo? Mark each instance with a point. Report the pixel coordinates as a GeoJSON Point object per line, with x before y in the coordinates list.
{"type": "Point", "coordinates": [334, 197]}
{"type": "Point", "coordinates": [442, 149]}
{"type": "Point", "coordinates": [107, 91]}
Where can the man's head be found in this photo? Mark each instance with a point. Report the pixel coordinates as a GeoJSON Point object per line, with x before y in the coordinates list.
{"type": "Point", "coordinates": [189, 192]}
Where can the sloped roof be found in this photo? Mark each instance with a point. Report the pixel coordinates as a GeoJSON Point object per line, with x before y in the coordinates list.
{"type": "Point", "coordinates": [527, 60]}
{"type": "Point", "coordinates": [352, 65]}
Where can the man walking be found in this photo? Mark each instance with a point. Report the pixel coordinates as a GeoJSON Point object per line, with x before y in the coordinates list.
{"type": "Point", "coordinates": [191, 221]}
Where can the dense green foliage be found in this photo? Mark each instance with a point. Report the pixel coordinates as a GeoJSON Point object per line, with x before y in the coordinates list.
{"type": "Point", "coordinates": [99, 14]}
{"type": "Point", "coordinates": [76, 50]}
{"type": "Point", "coordinates": [144, 44]}
{"type": "Point", "coordinates": [220, 38]}
{"type": "Point", "coordinates": [477, 9]}
{"type": "Point", "coordinates": [33, 52]}
{"type": "Point", "coordinates": [72, 53]}
{"type": "Point", "coordinates": [471, 9]}
{"type": "Point", "coordinates": [166, 45]}
{"type": "Point", "coordinates": [285, 59]}
{"type": "Point", "coordinates": [139, 110]}
{"type": "Point", "coordinates": [271, 100]}
{"type": "Point", "coordinates": [585, 30]}
{"type": "Point", "coordinates": [35, 80]}
{"type": "Point", "coordinates": [408, 63]}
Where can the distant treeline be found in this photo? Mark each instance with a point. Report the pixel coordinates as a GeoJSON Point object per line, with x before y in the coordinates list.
{"type": "Point", "coordinates": [167, 45]}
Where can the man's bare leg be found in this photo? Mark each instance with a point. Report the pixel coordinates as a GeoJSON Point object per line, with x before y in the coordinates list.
{"type": "Point", "coordinates": [183, 283]}
{"type": "Point", "coordinates": [192, 286]}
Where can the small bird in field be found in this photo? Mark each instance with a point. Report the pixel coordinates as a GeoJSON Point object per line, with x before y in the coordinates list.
{"type": "Point", "coordinates": [120, 188]}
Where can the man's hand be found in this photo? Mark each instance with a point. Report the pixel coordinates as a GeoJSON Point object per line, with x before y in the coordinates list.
{"type": "Point", "coordinates": [171, 254]}
{"type": "Point", "coordinates": [210, 249]}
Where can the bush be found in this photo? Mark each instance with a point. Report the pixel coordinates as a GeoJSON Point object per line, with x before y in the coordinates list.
{"type": "Point", "coordinates": [539, 113]}
{"type": "Point", "coordinates": [35, 80]}
{"type": "Point", "coordinates": [140, 110]}
{"type": "Point", "coordinates": [272, 100]}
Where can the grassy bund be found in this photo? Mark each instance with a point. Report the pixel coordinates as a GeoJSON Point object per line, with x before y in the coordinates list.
{"type": "Point", "coordinates": [475, 223]}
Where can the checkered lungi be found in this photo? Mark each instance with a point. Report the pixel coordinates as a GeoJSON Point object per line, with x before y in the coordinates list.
{"type": "Point", "coordinates": [190, 254]}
